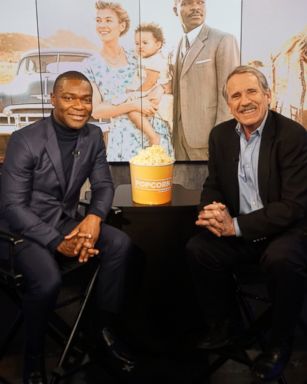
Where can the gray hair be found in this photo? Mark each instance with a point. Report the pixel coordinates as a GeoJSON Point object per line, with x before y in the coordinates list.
{"type": "Point", "coordinates": [176, 2]}
{"type": "Point", "coordinates": [263, 83]}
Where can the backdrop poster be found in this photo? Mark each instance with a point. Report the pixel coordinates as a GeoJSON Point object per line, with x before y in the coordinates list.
{"type": "Point", "coordinates": [44, 39]}
{"type": "Point", "coordinates": [274, 39]}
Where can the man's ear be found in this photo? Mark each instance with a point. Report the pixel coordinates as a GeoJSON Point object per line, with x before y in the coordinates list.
{"type": "Point", "coordinates": [52, 98]}
{"type": "Point", "coordinates": [269, 96]}
{"type": "Point", "coordinates": [175, 11]}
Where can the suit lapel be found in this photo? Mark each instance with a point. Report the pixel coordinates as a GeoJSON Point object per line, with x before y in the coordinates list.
{"type": "Point", "coordinates": [53, 150]}
{"type": "Point", "coordinates": [264, 157]}
{"type": "Point", "coordinates": [232, 169]}
{"type": "Point", "coordinates": [179, 58]}
{"type": "Point", "coordinates": [196, 47]}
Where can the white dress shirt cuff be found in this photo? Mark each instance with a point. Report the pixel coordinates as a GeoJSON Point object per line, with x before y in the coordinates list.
{"type": "Point", "coordinates": [237, 228]}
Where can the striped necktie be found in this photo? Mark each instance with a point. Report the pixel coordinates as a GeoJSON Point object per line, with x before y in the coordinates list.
{"type": "Point", "coordinates": [185, 46]}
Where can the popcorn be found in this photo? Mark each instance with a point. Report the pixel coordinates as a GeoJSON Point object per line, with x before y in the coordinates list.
{"type": "Point", "coordinates": [154, 155]}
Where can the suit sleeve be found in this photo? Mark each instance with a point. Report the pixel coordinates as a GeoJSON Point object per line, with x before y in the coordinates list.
{"type": "Point", "coordinates": [17, 181]}
{"type": "Point", "coordinates": [291, 206]}
{"type": "Point", "coordinates": [227, 58]}
{"type": "Point", "coordinates": [211, 190]}
{"type": "Point", "coordinates": [101, 183]}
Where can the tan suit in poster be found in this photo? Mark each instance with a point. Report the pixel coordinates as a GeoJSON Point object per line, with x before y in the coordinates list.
{"type": "Point", "coordinates": [198, 82]}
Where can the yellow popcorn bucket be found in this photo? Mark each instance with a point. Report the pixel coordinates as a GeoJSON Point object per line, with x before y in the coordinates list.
{"type": "Point", "coordinates": [151, 184]}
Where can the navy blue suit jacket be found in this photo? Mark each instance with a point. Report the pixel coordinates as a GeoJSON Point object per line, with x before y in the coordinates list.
{"type": "Point", "coordinates": [35, 194]}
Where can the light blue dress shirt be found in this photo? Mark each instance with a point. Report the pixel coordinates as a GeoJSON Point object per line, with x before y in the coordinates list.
{"type": "Point", "coordinates": [250, 199]}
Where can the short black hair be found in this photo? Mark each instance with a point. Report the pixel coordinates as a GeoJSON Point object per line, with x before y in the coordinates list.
{"type": "Point", "coordinates": [70, 75]}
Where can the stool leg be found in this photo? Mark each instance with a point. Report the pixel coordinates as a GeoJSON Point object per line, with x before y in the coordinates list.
{"type": "Point", "coordinates": [248, 312]}
{"type": "Point", "coordinates": [282, 380]}
{"type": "Point", "coordinates": [59, 371]}
{"type": "Point", "coordinates": [11, 333]}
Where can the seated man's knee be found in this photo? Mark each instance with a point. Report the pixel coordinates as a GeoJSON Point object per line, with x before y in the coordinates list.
{"type": "Point", "coordinates": [192, 248]}
{"type": "Point", "coordinates": [277, 263]}
{"type": "Point", "coordinates": [285, 254]}
{"type": "Point", "coordinates": [121, 242]}
{"type": "Point", "coordinates": [196, 252]}
{"type": "Point", "coordinates": [45, 288]}
{"type": "Point", "coordinates": [42, 277]}
{"type": "Point", "coordinates": [117, 245]}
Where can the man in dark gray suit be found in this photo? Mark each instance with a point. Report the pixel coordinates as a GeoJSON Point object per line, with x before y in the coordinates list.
{"type": "Point", "coordinates": [204, 58]}
{"type": "Point", "coordinates": [253, 209]}
{"type": "Point", "coordinates": [45, 167]}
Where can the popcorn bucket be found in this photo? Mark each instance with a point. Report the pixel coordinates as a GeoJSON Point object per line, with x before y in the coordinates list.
{"type": "Point", "coordinates": [151, 184]}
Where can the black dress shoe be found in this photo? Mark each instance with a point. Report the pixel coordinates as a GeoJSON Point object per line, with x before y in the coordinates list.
{"type": "Point", "coordinates": [35, 377]}
{"type": "Point", "coordinates": [117, 351]}
{"type": "Point", "coordinates": [219, 335]}
{"type": "Point", "coordinates": [270, 364]}
{"type": "Point", "coordinates": [34, 370]}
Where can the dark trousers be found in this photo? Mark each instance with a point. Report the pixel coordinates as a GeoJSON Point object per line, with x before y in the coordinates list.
{"type": "Point", "coordinates": [43, 280]}
{"type": "Point", "coordinates": [283, 259]}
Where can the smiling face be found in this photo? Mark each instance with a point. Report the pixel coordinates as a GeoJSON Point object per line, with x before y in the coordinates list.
{"type": "Point", "coordinates": [72, 102]}
{"type": "Point", "coordinates": [108, 25]}
{"type": "Point", "coordinates": [191, 13]}
{"type": "Point", "coordinates": [146, 44]}
{"type": "Point", "coordinates": [247, 100]}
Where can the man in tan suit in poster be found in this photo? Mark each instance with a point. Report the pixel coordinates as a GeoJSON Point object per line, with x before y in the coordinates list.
{"type": "Point", "coordinates": [205, 57]}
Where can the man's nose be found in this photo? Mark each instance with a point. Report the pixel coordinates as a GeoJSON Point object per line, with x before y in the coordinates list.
{"type": "Point", "coordinates": [195, 5]}
{"type": "Point", "coordinates": [245, 99]}
{"type": "Point", "coordinates": [78, 103]}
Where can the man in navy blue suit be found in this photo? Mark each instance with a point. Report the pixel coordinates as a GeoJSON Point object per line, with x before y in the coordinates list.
{"type": "Point", "coordinates": [253, 209]}
{"type": "Point", "coordinates": [45, 167]}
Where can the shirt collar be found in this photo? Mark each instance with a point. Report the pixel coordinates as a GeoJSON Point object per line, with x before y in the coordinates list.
{"type": "Point", "coordinates": [258, 131]}
{"type": "Point", "coordinates": [193, 34]}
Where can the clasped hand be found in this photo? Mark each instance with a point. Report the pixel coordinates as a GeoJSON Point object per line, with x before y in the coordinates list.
{"type": "Point", "coordinates": [216, 218]}
{"type": "Point", "coordinates": [80, 242]}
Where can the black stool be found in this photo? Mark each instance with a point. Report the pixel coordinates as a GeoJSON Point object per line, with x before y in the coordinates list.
{"type": "Point", "coordinates": [73, 356]}
{"type": "Point", "coordinates": [256, 327]}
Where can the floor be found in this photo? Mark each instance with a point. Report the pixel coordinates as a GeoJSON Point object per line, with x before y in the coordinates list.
{"type": "Point", "coordinates": [177, 367]}
{"type": "Point", "coordinates": [172, 363]}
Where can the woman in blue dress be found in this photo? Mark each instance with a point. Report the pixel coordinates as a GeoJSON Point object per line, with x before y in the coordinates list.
{"type": "Point", "coordinates": [111, 72]}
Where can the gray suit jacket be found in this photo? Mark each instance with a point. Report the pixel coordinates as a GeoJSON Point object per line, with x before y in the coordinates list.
{"type": "Point", "coordinates": [198, 83]}
{"type": "Point", "coordinates": [35, 194]}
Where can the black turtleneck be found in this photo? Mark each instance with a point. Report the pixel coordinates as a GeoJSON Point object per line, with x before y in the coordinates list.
{"type": "Point", "coordinates": [67, 140]}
